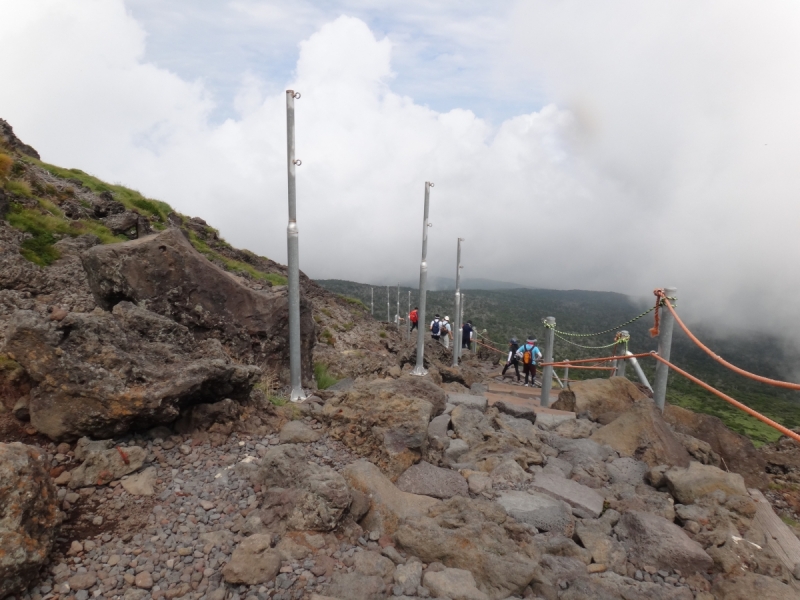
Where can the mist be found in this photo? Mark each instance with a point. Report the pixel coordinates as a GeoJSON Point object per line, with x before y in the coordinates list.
{"type": "Point", "coordinates": [662, 150]}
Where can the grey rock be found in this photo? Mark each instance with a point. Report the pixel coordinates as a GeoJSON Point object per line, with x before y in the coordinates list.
{"type": "Point", "coordinates": [627, 470]}
{"type": "Point", "coordinates": [581, 497]}
{"type": "Point", "coordinates": [469, 400]}
{"type": "Point", "coordinates": [104, 466]}
{"type": "Point", "coordinates": [355, 586]}
{"type": "Point", "coordinates": [696, 481]}
{"type": "Point", "coordinates": [515, 410]}
{"type": "Point", "coordinates": [558, 466]}
{"type": "Point", "coordinates": [455, 450]}
{"type": "Point", "coordinates": [253, 562]}
{"type": "Point", "coordinates": [205, 416]}
{"type": "Point", "coordinates": [548, 421]}
{"type": "Point", "coordinates": [428, 480]}
{"type": "Point", "coordinates": [297, 432]}
{"type": "Point", "coordinates": [141, 484]}
{"type": "Point", "coordinates": [408, 577]}
{"type": "Point", "coordinates": [342, 385]}
{"type": "Point", "coordinates": [29, 517]}
{"type": "Point", "coordinates": [437, 432]}
{"type": "Point", "coordinates": [509, 472]}
{"type": "Point", "coordinates": [457, 584]}
{"type": "Point", "coordinates": [371, 563]}
{"type": "Point", "coordinates": [540, 510]}
{"type": "Point", "coordinates": [21, 409]}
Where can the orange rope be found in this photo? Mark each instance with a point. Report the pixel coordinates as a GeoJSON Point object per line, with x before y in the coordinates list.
{"type": "Point", "coordinates": [582, 367]}
{"type": "Point", "coordinates": [585, 360]}
{"type": "Point", "coordinates": [656, 325]}
{"type": "Point", "coordinates": [736, 403]}
{"type": "Point", "coordinates": [489, 347]}
{"type": "Point", "coordinates": [722, 361]}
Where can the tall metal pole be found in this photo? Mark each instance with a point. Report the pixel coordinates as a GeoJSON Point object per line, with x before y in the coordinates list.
{"type": "Point", "coordinates": [457, 313]}
{"type": "Point", "coordinates": [388, 310]}
{"type": "Point", "coordinates": [419, 369]}
{"type": "Point", "coordinates": [408, 320]}
{"type": "Point", "coordinates": [621, 364]}
{"type": "Point", "coordinates": [664, 348]}
{"type": "Point", "coordinates": [469, 342]}
{"type": "Point", "coordinates": [547, 374]}
{"type": "Point", "coordinates": [398, 308]}
{"type": "Point", "coordinates": [295, 363]}
{"type": "Point", "coordinates": [372, 301]}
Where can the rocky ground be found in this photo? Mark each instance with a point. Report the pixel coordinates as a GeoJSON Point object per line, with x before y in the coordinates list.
{"type": "Point", "coordinates": [147, 450]}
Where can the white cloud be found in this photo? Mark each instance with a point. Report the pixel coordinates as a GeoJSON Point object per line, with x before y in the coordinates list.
{"type": "Point", "coordinates": [648, 169]}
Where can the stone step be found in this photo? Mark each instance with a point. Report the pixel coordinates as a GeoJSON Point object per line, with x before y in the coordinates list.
{"type": "Point", "coordinates": [531, 403]}
{"type": "Point", "coordinates": [517, 390]}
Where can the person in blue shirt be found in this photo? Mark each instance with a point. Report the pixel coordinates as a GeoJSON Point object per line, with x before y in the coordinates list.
{"type": "Point", "coordinates": [529, 354]}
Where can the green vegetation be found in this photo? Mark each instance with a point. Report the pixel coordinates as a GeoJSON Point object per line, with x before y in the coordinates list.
{"type": "Point", "coordinates": [327, 337]}
{"type": "Point", "coordinates": [19, 188]}
{"type": "Point", "coordinates": [47, 226]}
{"type": "Point", "coordinates": [519, 313]}
{"type": "Point", "coordinates": [382, 334]}
{"type": "Point", "coordinates": [5, 165]}
{"type": "Point", "coordinates": [236, 266]}
{"type": "Point", "coordinates": [324, 379]}
{"type": "Point", "coordinates": [354, 301]}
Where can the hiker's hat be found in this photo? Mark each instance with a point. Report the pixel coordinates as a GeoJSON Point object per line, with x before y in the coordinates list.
{"type": "Point", "coordinates": [447, 318]}
{"type": "Point", "coordinates": [531, 340]}
{"type": "Point", "coordinates": [514, 341]}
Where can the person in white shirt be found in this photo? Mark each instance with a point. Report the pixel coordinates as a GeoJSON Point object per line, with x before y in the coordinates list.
{"type": "Point", "coordinates": [447, 332]}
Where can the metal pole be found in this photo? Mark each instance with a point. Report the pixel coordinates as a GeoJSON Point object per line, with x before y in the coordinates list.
{"type": "Point", "coordinates": [469, 342]}
{"type": "Point", "coordinates": [372, 301]}
{"type": "Point", "coordinates": [547, 375]}
{"type": "Point", "coordinates": [388, 310]}
{"type": "Point", "coordinates": [620, 372]}
{"type": "Point", "coordinates": [295, 364]}
{"type": "Point", "coordinates": [398, 308]}
{"type": "Point", "coordinates": [423, 280]}
{"type": "Point", "coordinates": [457, 314]}
{"type": "Point", "coordinates": [639, 373]}
{"type": "Point", "coordinates": [408, 318]}
{"type": "Point", "coordinates": [664, 348]}
{"type": "Point", "coordinates": [566, 372]}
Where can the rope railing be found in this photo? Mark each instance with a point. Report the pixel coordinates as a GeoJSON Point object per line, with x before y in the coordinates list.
{"type": "Point", "coordinates": [722, 361]}
{"type": "Point", "coordinates": [633, 320]}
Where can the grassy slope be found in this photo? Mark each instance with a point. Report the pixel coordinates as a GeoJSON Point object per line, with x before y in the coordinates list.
{"type": "Point", "coordinates": [506, 313]}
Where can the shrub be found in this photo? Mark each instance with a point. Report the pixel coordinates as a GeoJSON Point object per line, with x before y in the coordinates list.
{"type": "Point", "coordinates": [324, 379]}
{"type": "Point", "coordinates": [19, 188]}
{"type": "Point", "coordinates": [382, 334]}
{"type": "Point", "coordinates": [5, 165]}
{"type": "Point", "coordinates": [328, 338]}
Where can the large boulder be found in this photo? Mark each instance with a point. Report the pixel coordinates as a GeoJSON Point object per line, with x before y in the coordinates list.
{"type": "Point", "coordinates": [688, 485]}
{"type": "Point", "coordinates": [736, 450]}
{"type": "Point", "coordinates": [597, 397]}
{"type": "Point", "coordinates": [653, 541]}
{"type": "Point", "coordinates": [165, 273]}
{"type": "Point", "coordinates": [641, 433]}
{"type": "Point", "coordinates": [103, 464]}
{"type": "Point", "coordinates": [477, 536]}
{"type": "Point", "coordinates": [101, 375]}
{"type": "Point", "coordinates": [379, 421]}
{"type": "Point", "coordinates": [429, 480]}
{"type": "Point", "coordinates": [388, 506]}
{"type": "Point", "coordinates": [253, 562]}
{"type": "Point", "coordinates": [300, 494]}
{"type": "Point", "coordinates": [748, 586]}
{"type": "Point", "coordinates": [539, 510]}
{"type": "Point", "coordinates": [29, 516]}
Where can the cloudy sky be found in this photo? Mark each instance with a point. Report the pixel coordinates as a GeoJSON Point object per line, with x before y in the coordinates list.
{"type": "Point", "coordinates": [618, 145]}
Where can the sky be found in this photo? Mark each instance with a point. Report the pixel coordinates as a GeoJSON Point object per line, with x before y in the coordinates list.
{"type": "Point", "coordinates": [618, 146]}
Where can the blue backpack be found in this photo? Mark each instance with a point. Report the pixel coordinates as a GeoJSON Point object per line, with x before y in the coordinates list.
{"type": "Point", "coordinates": [435, 328]}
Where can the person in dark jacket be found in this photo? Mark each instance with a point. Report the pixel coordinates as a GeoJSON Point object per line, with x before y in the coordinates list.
{"type": "Point", "coordinates": [466, 335]}
{"type": "Point", "coordinates": [513, 346]}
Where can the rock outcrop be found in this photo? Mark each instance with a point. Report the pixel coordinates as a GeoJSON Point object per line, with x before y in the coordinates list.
{"type": "Point", "coordinates": [599, 397]}
{"type": "Point", "coordinates": [167, 275]}
{"type": "Point", "coordinates": [103, 374]}
{"type": "Point", "coordinates": [29, 516]}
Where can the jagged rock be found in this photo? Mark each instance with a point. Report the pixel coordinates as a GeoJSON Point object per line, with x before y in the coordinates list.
{"type": "Point", "coordinates": [468, 400]}
{"type": "Point", "coordinates": [437, 432]}
{"type": "Point", "coordinates": [565, 401]}
{"type": "Point", "coordinates": [104, 374]}
{"type": "Point", "coordinates": [736, 450]}
{"type": "Point", "coordinates": [171, 278]}
{"type": "Point", "coordinates": [748, 586]}
{"type": "Point", "coordinates": [355, 586]}
{"type": "Point", "coordinates": [22, 410]}
{"type": "Point", "coordinates": [455, 450]}
{"type": "Point", "coordinates": [583, 499]}
{"type": "Point", "coordinates": [652, 540]}
{"type": "Point", "coordinates": [699, 450]}
{"type": "Point", "coordinates": [414, 387]}
{"type": "Point", "coordinates": [557, 466]}
{"type": "Point", "coordinates": [477, 536]}
{"type": "Point", "coordinates": [612, 586]}
{"type": "Point", "coordinates": [509, 472]}
{"type": "Point", "coordinates": [596, 538]}
{"type": "Point", "coordinates": [141, 484]}
{"type": "Point", "coordinates": [688, 485]}
{"type": "Point", "coordinates": [478, 481]}
{"type": "Point", "coordinates": [388, 505]}
{"type": "Point", "coordinates": [122, 222]}
{"type": "Point", "coordinates": [516, 411]}
{"type": "Point", "coordinates": [574, 428]}
{"type": "Point", "coordinates": [217, 416]}
{"type": "Point", "coordinates": [540, 510]}
{"type": "Point", "coordinates": [586, 457]}
{"type": "Point", "coordinates": [408, 577]}
{"type": "Point", "coordinates": [549, 421]}
{"type": "Point", "coordinates": [553, 571]}
{"type": "Point", "coordinates": [596, 397]}
{"type": "Point", "coordinates": [457, 584]}
{"type": "Point", "coordinates": [11, 140]}
{"type": "Point", "coordinates": [29, 516]}
{"type": "Point", "coordinates": [371, 563]}
{"type": "Point", "coordinates": [253, 562]}
{"type": "Point", "coordinates": [428, 480]}
{"type": "Point", "coordinates": [102, 466]}
{"type": "Point", "coordinates": [625, 497]}
{"type": "Point", "coordinates": [311, 497]}
{"type": "Point", "coordinates": [297, 432]}
{"type": "Point", "coordinates": [377, 421]}
{"type": "Point", "coordinates": [641, 433]}
{"type": "Point", "coordinates": [627, 470]}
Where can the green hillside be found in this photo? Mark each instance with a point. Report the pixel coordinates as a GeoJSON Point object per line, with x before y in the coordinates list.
{"type": "Point", "coordinates": [519, 312]}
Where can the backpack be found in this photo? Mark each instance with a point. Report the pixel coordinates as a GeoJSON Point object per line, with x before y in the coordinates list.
{"type": "Point", "coordinates": [435, 327]}
{"type": "Point", "coordinates": [414, 316]}
{"type": "Point", "coordinates": [527, 355]}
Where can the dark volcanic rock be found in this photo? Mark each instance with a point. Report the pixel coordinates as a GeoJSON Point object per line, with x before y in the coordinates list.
{"type": "Point", "coordinates": [167, 275]}
{"type": "Point", "coordinates": [28, 516]}
{"type": "Point", "coordinates": [10, 139]}
{"type": "Point", "coordinates": [103, 374]}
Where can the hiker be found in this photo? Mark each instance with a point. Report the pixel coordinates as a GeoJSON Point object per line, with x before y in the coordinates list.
{"type": "Point", "coordinates": [413, 316]}
{"type": "Point", "coordinates": [436, 327]}
{"type": "Point", "coordinates": [448, 332]}
{"type": "Point", "coordinates": [466, 335]}
{"type": "Point", "coordinates": [529, 353]}
{"type": "Point", "coordinates": [513, 346]}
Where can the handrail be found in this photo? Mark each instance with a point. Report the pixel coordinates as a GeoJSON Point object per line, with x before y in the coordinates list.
{"type": "Point", "coordinates": [572, 363]}
{"type": "Point", "coordinates": [722, 361]}
{"type": "Point", "coordinates": [785, 431]}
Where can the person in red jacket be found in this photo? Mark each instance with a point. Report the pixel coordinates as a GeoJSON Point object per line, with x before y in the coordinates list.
{"type": "Point", "coordinates": [414, 318]}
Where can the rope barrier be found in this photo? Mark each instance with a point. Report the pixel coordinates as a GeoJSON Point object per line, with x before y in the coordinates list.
{"type": "Point", "coordinates": [572, 363]}
{"type": "Point", "coordinates": [619, 339]}
{"type": "Point", "coordinates": [722, 361]}
{"type": "Point", "coordinates": [636, 318]}
{"type": "Point", "coordinates": [785, 431]}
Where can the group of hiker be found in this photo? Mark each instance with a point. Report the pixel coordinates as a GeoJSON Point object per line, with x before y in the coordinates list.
{"type": "Point", "coordinates": [442, 331]}
{"type": "Point", "coordinates": [528, 354]}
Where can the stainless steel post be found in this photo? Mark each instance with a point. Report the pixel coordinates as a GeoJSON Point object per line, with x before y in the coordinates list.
{"type": "Point", "coordinates": [664, 348]}
{"type": "Point", "coordinates": [547, 374]}
{"type": "Point", "coordinates": [419, 369]}
{"type": "Point", "coordinates": [398, 309]}
{"type": "Point", "coordinates": [372, 301]}
{"type": "Point", "coordinates": [388, 310]}
{"type": "Point", "coordinates": [566, 373]}
{"type": "Point", "coordinates": [620, 372]}
{"type": "Point", "coordinates": [457, 314]}
{"type": "Point", "coordinates": [293, 263]}
{"type": "Point", "coordinates": [469, 342]}
{"type": "Point", "coordinates": [408, 317]}
{"type": "Point", "coordinates": [639, 373]}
